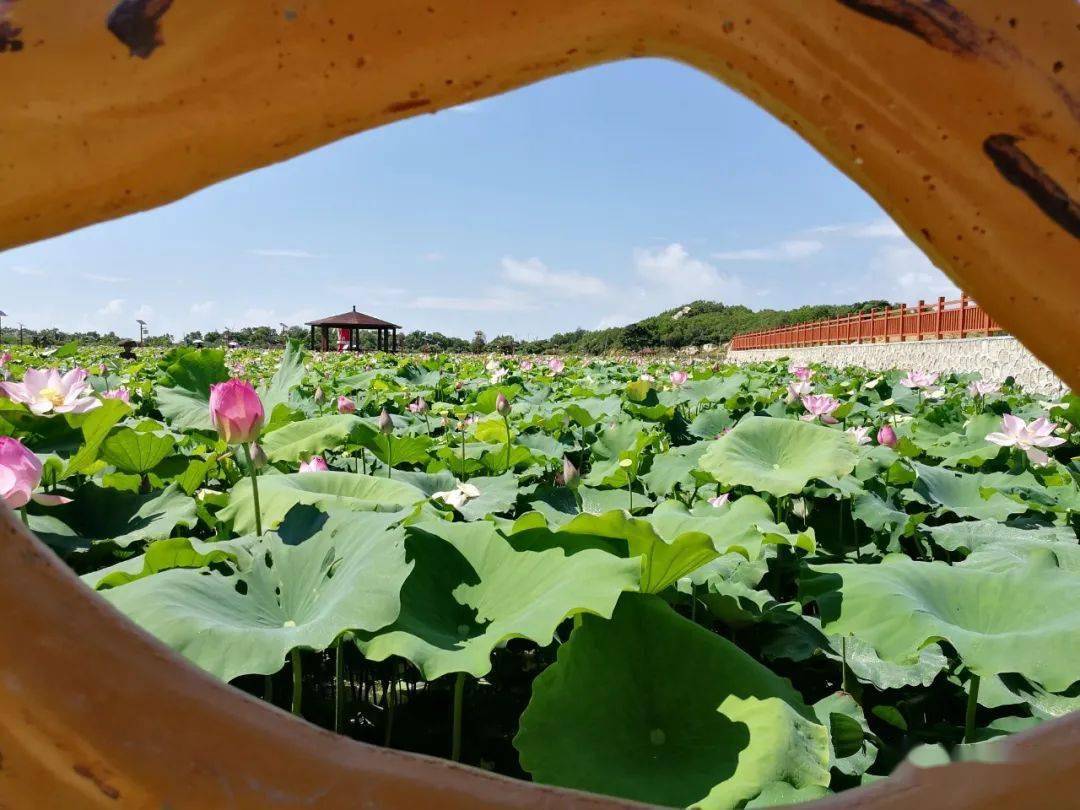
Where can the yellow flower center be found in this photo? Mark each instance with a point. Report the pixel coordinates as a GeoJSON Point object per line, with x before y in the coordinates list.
{"type": "Point", "coordinates": [51, 394]}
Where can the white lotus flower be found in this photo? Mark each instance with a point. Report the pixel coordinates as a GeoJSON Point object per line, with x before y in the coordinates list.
{"type": "Point", "coordinates": [458, 496]}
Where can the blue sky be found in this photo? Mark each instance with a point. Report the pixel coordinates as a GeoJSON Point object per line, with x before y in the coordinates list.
{"type": "Point", "coordinates": [588, 200]}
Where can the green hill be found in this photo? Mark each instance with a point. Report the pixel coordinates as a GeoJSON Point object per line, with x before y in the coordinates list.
{"type": "Point", "coordinates": [700, 322]}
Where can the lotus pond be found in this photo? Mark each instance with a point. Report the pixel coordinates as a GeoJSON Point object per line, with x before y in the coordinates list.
{"type": "Point", "coordinates": [691, 585]}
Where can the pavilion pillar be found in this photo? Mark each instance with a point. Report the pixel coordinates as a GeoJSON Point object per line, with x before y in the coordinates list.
{"type": "Point", "coordinates": [313, 338]}
{"type": "Point", "coordinates": [326, 338]}
{"type": "Point", "coordinates": [393, 342]}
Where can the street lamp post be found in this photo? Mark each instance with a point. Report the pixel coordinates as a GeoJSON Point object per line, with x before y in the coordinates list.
{"type": "Point", "coordinates": [142, 329]}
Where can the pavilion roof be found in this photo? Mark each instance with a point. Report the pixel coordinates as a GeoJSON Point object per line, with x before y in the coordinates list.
{"type": "Point", "coordinates": [354, 319]}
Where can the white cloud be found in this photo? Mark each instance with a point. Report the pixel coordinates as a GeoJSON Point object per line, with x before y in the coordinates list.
{"type": "Point", "coordinates": [432, 256]}
{"type": "Point", "coordinates": [144, 313]}
{"type": "Point", "coordinates": [113, 307]}
{"type": "Point", "coordinates": [258, 316]}
{"type": "Point", "coordinates": [496, 303]}
{"type": "Point", "coordinates": [670, 276]}
{"type": "Point", "coordinates": [911, 273]}
{"type": "Point", "coordinates": [534, 273]}
{"type": "Point", "coordinates": [27, 271]}
{"type": "Point", "coordinates": [203, 308]}
{"type": "Point", "coordinates": [675, 270]}
{"type": "Point", "coordinates": [103, 278]}
{"type": "Point", "coordinates": [878, 229]}
{"type": "Point", "coordinates": [786, 251]}
{"type": "Point", "coordinates": [286, 253]}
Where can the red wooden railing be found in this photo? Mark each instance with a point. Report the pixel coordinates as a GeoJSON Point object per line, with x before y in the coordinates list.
{"type": "Point", "coordinates": [923, 321]}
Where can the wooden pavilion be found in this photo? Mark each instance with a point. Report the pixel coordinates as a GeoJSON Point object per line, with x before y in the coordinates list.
{"type": "Point", "coordinates": [352, 323]}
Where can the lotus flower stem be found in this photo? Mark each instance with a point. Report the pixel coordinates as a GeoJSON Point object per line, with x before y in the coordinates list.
{"type": "Point", "coordinates": [459, 699]}
{"type": "Point", "coordinates": [25, 516]}
{"type": "Point", "coordinates": [339, 693]}
{"type": "Point", "coordinates": [843, 665]}
{"type": "Point", "coordinates": [389, 455]}
{"type": "Point", "coordinates": [297, 680]}
{"type": "Point", "coordinates": [254, 488]}
{"type": "Point", "coordinates": [506, 421]}
{"type": "Point", "coordinates": [389, 697]}
{"type": "Point", "coordinates": [972, 704]}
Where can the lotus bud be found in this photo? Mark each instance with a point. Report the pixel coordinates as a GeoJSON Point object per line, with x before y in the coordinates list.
{"type": "Point", "coordinates": [345, 405]}
{"type": "Point", "coordinates": [570, 474]}
{"type": "Point", "coordinates": [314, 464]}
{"type": "Point", "coordinates": [386, 424]}
{"type": "Point", "coordinates": [236, 411]}
{"type": "Point", "coordinates": [422, 406]}
{"type": "Point", "coordinates": [102, 370]}
{"type": "Point", "coordinates": [887, 436]}
{"type": "Point", "coordinates": [457, 385]}
{"type": "Point", "coordinates": [502, 405]}
{"type": "Point", "coordinates": [258, 456]}
{"type": "Point", "coordinates": [320, 397]}
{"type": "Point", "coordinates": [445, 421]}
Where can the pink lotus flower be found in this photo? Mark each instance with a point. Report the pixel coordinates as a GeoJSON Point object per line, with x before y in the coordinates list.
{"type": "Point", "coordinates": [345, 405]}
{"type": "Point", "coordinates": [887, 436]}
{"type": "Point", "coordinates": [498, 375]}
{"type": "Point", "coordinates": [236, 411]}
{"type": "Point", "coordinates": [920, 379]}
{"type": "Point", "coordinates": [20, 474]}
{"type": "Point", "coordinates": [315, 464]}
{"type": "Point", "coordinates": [121, 394]}
{"type": "Point", "coordinates": [556, 365]}
{"type": "Point", "coordinates": [801, 372]}
{"type": "Point", "coordinates": [420, 406]}
{"type": "Point", "coordinates": [647, 378]}
{"type": "Point", "coordinates": [1015, 432]}
{"type": "Point", "coordinates": [798, 390]}
{"type": "Point", "coordinates": [719, 500]}
{"type": "Point", "coordinates": [44, 390]}
{"type": "Point", "coordinates": [980, 388]}
{"type": "Point", "coordinates": [5, 358]}
{"type": "Point", "coordinates": [459, 496]}
{"type": "Point", "coordinates": [819, 406]}
{"type": "Point", "coordinates": [678, 377]}
{"type": "Point", "coordinates": [861, 434]}
{"type": "Point", "coordinates": [526, 365]}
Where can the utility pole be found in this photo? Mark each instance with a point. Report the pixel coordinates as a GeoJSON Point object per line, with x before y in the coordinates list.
{"type": "Point", "coordinates": [142, 329]}
{"type": "Point", "coordinates": [20, 334]}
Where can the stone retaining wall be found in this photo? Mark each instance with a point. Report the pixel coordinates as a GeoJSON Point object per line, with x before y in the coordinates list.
{"type": "Point", "coordinates": [994, 357]}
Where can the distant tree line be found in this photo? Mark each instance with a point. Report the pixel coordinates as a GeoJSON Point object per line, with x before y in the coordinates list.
{"type": "Point", "coordinates": [694, 324]}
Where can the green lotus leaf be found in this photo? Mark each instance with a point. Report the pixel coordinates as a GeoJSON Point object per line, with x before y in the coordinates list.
{"type": "Point", "coordinates": [865, 664]}
{"type": "Point", "coordinates": [779, 456]}
{"type": "Point", "coordinates": [163, 555]}
{"type": "Point", "coordinates": [1023, 620]}
{"type": "Point", "coordinates": [649, 706]}
{"type": "Point", "coordinates": [280, 493]}
{"type": "Point", "coordinates": [674, 468]}
{"type": "Point", "coordinates": [102, 515]}
{"type": "Point", "coordinates": [136, 451]}
{"type": "Point", "coordinates": [311, 437]}
{"type": "Point", "coordinates": [289, 374]}
{"type": "Point", "coordinates": [965, 495]}
{"type": "Point", "coordinates": [348, 576]}
{"type": "Point", "coordinates": [186, 406]}
{"type": "Point", "coordinates": [497, 494]}
{"type": "Point", "coordinates": [996, 547]}
{"type": "Point", "coordinates": [95, 428]}
{"type": "Point", "coordinates": [471, 591]}
{"type": "Point", "coordinates": [852, 752]}
{"type": "Point", "coordinates": [968, 446]}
